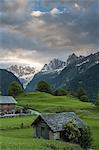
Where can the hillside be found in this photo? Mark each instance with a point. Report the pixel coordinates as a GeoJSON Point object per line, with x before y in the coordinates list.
{"type": "Point", "coordinates": [44, 102]}
{"type": "Point", "coordinates": [77, 72]}
{"type": "Point", "coordinates": [6, 78]}
{"type": "Point", "coordinates": [73, 77]}
{"type": "Point", "coordinates": [89, 80]}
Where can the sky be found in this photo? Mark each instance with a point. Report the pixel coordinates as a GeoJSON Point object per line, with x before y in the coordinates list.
{"type": "Point", "coordinates": [36, 31]}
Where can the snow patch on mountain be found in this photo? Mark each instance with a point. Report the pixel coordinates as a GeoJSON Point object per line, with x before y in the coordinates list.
{"type": "Point", "coordinates": [53, 66]}
{"type": "Point", "coordinates": [84, 62]}
{"type": "Point", "coordinates": [24, 73]}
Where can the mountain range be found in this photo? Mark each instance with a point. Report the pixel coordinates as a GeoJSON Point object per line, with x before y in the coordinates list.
{"type": "Point", "coordinates": [76, 72]}
{"type": "Point", "coordinates": [24, 73]}
{"type": "Point", "coordinates": [48, 73]}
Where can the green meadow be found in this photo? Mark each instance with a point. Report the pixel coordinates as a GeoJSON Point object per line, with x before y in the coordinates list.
{"type": "Point", "coordinates": [44, 102]}
{"type": "Point", "coordinates": [13, 138]}
{"type": "Point", "coordinates": [12, 123]}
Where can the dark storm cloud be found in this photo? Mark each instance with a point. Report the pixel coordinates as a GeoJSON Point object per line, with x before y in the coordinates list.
{"type": "Point", "coordinates": [51, 28]}
{"type": "Point", "coordinates": [14, 40]}
{"type": "Point", "coordinates": [14, 12]}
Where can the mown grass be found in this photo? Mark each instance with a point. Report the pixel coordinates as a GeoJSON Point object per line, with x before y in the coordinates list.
{"type": "Point", "coordinates": [94, 126]}
{"type": "Point", "coordinates": [44, 102]}
{"type": "Point", "coordinates": [8, 123]}
{"type": "Point", "coordinates": [22, 139]}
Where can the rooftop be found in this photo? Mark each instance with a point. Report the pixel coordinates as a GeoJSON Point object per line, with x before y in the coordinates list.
{"type": "Point", "coordinates": [57, 121]}
{"type": "Point", "coordinates": [7, 100]}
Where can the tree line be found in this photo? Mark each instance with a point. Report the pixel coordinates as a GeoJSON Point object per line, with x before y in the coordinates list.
{"type": "Point", "coordinates": [16, 89]}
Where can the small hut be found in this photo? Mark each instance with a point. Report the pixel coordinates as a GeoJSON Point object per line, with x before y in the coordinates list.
{"type": "Point", "coordinates": [51, 126]}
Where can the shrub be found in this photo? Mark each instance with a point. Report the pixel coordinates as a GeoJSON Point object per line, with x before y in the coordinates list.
{"type": "Point", "coordinates": [97, 102]}
{"type": "Point", "coordinates": [60, 92]}
{"type": "Point", "coordinates": [85, 140]}
{"type": "Point", "coordinates": [43, 86]}
{"type": "Point", "coordinates": [82, 95]}
{"type": "Point", "coordinates": [81, 91]}
{"type": "Point", "coordinates": [84, 98]}
{"type": "Point", "coordinates": [81, 136]}
{"type": "Point", "coordinates": [72, 133]}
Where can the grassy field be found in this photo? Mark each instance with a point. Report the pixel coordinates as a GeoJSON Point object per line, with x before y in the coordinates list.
{"type": "Point", "coordinates": [22, 138]}
{"type": "Point", "coordinates": [44, 102]}
{"type": "Point", "coordinates": [9, 123]}
{"type": "Point", "coordinates": [94, 126]}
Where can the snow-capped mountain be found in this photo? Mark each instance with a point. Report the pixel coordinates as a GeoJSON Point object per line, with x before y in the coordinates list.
{"type": "Point", "coordinates": [24, 73]}
{"type": "Point", "coordinates": [73, 58]}
{"type": "Point", "coordinates": [48, 73]}
{"type": "Point", "coordinates": [54, 65]}
{"type": "Point", "coordinates": [82, 71]}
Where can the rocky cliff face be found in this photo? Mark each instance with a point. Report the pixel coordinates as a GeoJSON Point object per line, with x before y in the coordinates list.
{"type": "Point", "coordinates": [83, 72]}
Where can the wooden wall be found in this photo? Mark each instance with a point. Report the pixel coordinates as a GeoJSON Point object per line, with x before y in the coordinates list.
{"type": "Point", "coordinates": [42, 130]}
{"type": "Point", "coordinates": [6, 107]}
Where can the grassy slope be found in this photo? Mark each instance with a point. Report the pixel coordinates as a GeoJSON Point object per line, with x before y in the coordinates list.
{"type": "Point", "coordinates": [8, 123]}
{"type": "Point", "coordinates": [23, 138]}
{"type": "Point", "coordinates": [49, 103]}
{"type": "Point", "coordinates": [46, 102]}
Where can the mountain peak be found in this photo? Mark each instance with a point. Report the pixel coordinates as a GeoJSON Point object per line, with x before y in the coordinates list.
{"type": "Point", "coordinates": [72, 58]}
{"type": "Point", "coordinates": [23, 72]}
{"type": "Point", "coordinates": [54, 65]}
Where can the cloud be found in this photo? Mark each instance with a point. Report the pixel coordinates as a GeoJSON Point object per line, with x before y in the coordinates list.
{"type": "Point", "coordinates": [77, 6]}
{"type": "Point", "coordinates": [14, 12]}
{"type": "Point", "coordinates": [55, 11]}
{"type": "Point", "coordinates": [37, 13]}
{"type": "Point", "coordinates": [53, 29]}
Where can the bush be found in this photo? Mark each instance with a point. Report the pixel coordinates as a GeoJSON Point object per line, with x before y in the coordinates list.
{"type": "Point", "coordinates": [81, 91]}
{"type": "Point", "coordinates": [72, 133]}
{"type": "Point", "coordinates": [84, 98]}
{"type": "Point", "coordinates": [43, 86]}
{"type": "Point", "coordinates": [82, 95]}
{"type": "Point", "coordinates": [81, 136]}
{"type": "Point", "coordinates": [60, 92]}
{"type": "Point", "coordinates": [97, 102]}
{"type": "Point", "coordinates": [85, 140]}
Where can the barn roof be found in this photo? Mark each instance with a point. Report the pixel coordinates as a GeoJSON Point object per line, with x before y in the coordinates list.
{"type": "Point", "coordinates": [57, 121]}
{"type": "Point", "coordinates": [7, 100]}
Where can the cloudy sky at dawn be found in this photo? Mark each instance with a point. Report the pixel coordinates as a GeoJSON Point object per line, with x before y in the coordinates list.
{"type": "Point", "coordinates": [36, 31]}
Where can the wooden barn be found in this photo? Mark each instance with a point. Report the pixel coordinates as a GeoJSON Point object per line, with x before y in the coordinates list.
{"type": "Point", "coordinates": [7, 103]}
{"type": "Point", "coordinates": [51, 126]}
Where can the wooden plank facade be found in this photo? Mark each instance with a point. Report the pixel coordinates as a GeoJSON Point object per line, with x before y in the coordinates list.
{"type": "Point", "coordinates": [43, 131]}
